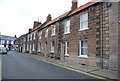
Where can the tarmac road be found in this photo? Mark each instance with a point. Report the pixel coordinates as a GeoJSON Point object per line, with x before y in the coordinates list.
{"type": "Point", "coordinates": [20, 66]}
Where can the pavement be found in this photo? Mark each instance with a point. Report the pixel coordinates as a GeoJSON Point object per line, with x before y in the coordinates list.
{"type": "Point", "coordinates": [0, 67]}
{"type": "Point", "coordinates": [110, 74]}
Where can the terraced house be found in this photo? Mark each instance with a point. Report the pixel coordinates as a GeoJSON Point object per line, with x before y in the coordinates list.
{"type": "Point", "coordinates": [87, 35]}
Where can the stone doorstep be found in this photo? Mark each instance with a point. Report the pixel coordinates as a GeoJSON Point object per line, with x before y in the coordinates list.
{"type": "Point", "coordinates": [89, 69]}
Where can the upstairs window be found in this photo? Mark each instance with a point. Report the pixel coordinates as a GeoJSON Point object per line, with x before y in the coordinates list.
{"type": "Point", "coordinates": [34, 35]}
{"type": "Point", "coordinates": [46, 33]}
{"type": "Point", "coordinates": [31, 36]}
{"type": "Point", "coordinates": [41, 35]}
{"type": "Point", "coordinates": [84, 21]}
{"type": "Point", "coordinates": [28, 38]}
{"type": "Point", "coordinates": [67, 26]}
{"type": "Point", "coordinates": [53, 30]}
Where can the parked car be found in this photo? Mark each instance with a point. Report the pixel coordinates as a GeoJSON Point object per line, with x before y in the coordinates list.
{"type": "Point", "coordinates": [3, 50]}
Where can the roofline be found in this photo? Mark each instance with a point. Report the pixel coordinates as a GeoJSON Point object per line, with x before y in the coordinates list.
{"type": "Point", "coordinates": [71, 12]}
{"type": "Point", "coordinates": [65, 15]}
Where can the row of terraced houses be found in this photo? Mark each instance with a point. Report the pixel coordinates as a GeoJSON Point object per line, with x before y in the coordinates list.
{"type": "Point", "coordinates": [87, 35]}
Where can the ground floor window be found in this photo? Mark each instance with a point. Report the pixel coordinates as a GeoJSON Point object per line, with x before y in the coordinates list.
{"type": "Point", "coordinates": [23, 47]}
{"type": "Point", "coordinates": [27, 47]}
{"type": "Point", "coordinates": [39, 47]}
{"type": "Point", "coordinates": [52, 46]}
{"type": "Point", "coordinates": [83, 51]}
{"type": "Point", "coordinates": [66, 48]}
{"type": "Point", "coordinates": [33, 47]}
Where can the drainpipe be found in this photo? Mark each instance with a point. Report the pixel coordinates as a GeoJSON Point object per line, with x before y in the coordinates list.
{"type": "Point", "coordinates": [101, 20]}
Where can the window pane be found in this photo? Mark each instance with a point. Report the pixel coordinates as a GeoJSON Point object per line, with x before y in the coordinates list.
{"type": "Point", "coordinates": [85, 44]}
{"type": "Point", "coordinates": [85, 24]}
{"type": "Point", "coordinates": [84, 47]}
{"type": "Point", "coordinates": [52, 45]}
{"type": "Point", "coordinates": [67, 47]}
{"type": "Point", "coordinates": [84, 51]}
{"type": "Point", "coordinates": [82, 44]}
{"type": "Point", "coordinates": [68, 22]}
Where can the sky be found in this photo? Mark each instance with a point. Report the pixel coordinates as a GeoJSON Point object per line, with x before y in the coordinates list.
{"type": "Point", "coordinates": [17, 16]}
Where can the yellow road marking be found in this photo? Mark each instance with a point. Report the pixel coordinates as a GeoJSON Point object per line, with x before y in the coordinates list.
{"type": "Point", "coordinates": [76, 70]}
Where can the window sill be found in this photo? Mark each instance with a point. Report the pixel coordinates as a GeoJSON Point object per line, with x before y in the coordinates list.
{"type": "Point", "coordinates": [83, 56]}
{"type": "Point", "coordinates": [67, 33]}
{"type": "Point", "coordinates": [83, 29]}
{"type": "Point", "coordinates": [53, 35]}
{"type": "Point", "coordinates": [66, 55]}
{"type": "Point", "coordinates": [52, 51]}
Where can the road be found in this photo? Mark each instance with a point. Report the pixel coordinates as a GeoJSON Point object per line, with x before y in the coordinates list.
{"type": "Point", "coordinates": [21, 66]}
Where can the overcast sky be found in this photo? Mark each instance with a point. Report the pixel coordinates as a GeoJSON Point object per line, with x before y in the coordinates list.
{"type": "Point", "coordinates": [17, 16]}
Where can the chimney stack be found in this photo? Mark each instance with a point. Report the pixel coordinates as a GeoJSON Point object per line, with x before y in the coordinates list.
{"type": "Point", "coordinates": [49, 18]}
{"type": "Point", "coordinates": [74, 4]}
{"type": "Point", "coordinates": [36, 23]}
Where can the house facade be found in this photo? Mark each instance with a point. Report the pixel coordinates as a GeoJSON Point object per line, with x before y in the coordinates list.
{"type": "Point", "coordinates": [87, 35]}
{"type": "Point", "coordinates": [7, 41]}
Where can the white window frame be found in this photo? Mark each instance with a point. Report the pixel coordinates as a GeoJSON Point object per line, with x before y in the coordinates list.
{"type": "Point", "coordinates": [39, 47]}
{"type": "Point", "coordinates": [23, 47]}
{"type": "Point", "coordinates": [52, 47]}
{"type": "Point", "coordinates": [66, 49]}
{"type": "Point", "coordinates": [53, 30]}
{"type": "Point", "coordinates": [67, 27]}
{"type": "Point", "coordinates": [24, 39]}
{"type": "Point", "coordinates": [33, 47]}
{"type": "Point", "coordinates": [34, 35]}
{"type": "Point", "coordinates": [2, 41]}
{"type": "Point", "coordinates": [41, 35]}
{"type": "Point", "coordinates": [27, 47]}
{"type": "Point", "coordinates": [46, 33]}
{"type": "Point", "coordinates": [31, 36]}
{"type": "Point", "coordinates": [12, 42]}
{"type": "Point", "coordinates": [28, 37]}
{"type": "Point", "coordinates": [7, 41]}
{"type": "Point", "coordinates": [83, 21]}
{"type": "Point", "coordinates": [80, 55]}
